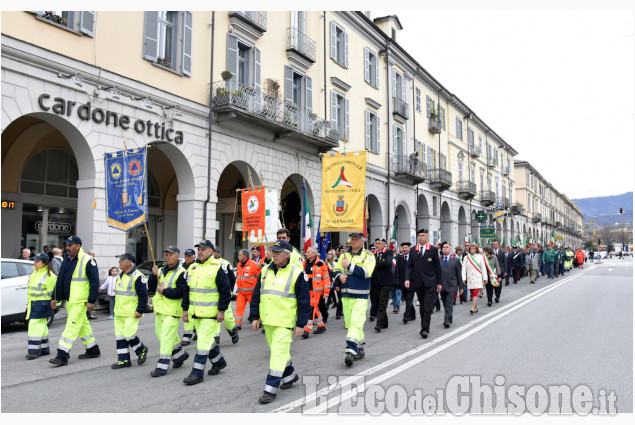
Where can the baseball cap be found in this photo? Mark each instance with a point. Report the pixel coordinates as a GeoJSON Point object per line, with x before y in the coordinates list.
{"type": "Point", "coordinates": [280, 245]}
{"type": "Point", "coordinates": [216, 248]}
{"type": "Point", "coordinates": [205, 244]}
{"type": "Point", "coordinates": [172, 248]}
{"type": "Point", "coordinates": [41, 256]}
{"type": "Point", "coordinates": [73, 239]}
{"type": "Point", "coordinates": [357, 235]}
{"type": "Point", "coordinates": [189, 251]}
{"type": "Point", "coordinates": [128, 256]}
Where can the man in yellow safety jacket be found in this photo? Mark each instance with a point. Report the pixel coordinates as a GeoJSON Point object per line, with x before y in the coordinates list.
{"type": "Point", "coordinates": [188, 327]}
{"type": "Point", "coordinates": [41, 287]}
{"type": "Point", "coordinates": [132, 299]}
{"type": "Point", "coordinates": [296, 258]}
{"type": "Point", "coordinates": [281, 299]}
{"type": "Point", "coordinates": [78, 284]}
{"type": "Point", "coordinates": [208, 300]}
{"type": "Point", "coordinates": [230, 322]}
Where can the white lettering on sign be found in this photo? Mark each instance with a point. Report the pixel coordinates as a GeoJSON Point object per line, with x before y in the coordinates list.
{"type": "Point", "coordinates": [53, 227]}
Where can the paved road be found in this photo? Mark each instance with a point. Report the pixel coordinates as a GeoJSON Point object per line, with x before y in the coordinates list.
{"type": "Point", "coordinates": [574, 330]}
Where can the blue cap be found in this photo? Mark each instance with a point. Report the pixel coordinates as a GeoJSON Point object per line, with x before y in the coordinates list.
{"type": "Point", "coordinates": [42, 256]}
{"type": "Point", "coordinates": [172, 248]}
{"type": "Point", "coordinates": [357, 235]}
{"type": "Point", "coordinates": [189, 251]}
{"type": "Point", "coordinates": [216, 248]}
{"type": "Point", "coordinates": [128, 256]}
{"type": "Point", "coordinates": [281, 245]}
{"type": "Point", "coordinates": [73, 239]}
{"type": "Point", "coordinates": [205, 244]}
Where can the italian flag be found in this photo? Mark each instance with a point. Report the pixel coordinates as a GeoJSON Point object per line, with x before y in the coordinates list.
{"type": "Point", "coordinates": [307, 220]}
{"type": "Point", "coordinates": [393, 237]}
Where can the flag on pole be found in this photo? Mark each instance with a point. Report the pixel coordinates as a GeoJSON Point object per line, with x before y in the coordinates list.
{"type": "Point", "coordinates": [307, 220]}
{"type": "Point", "coordinates": [365, 230]}
{"type": "Point", "coordinates": [323, 240]}
{"type": "Point", "coordinates": [393, 237]}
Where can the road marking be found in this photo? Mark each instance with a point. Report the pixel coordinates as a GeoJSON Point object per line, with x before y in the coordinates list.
{"type": "Point", "coordinates": [486, 319]}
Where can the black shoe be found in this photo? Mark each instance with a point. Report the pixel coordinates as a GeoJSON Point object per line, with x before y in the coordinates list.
{"type": "Point", "coordinates": [305, 334]}
{"type": "Point", "coordinates": [238, 328]}
{"type": "Point", "coordinates": [58, 361]}
{"type": "Point", "coordinates": [371, 319]}
{"type": "Point", "coordinates": [266, 398]}
{"type": "Point", "coordinates": [360, 355]}
{"type": "Point", "coordinates": [507, 284]}
{"type": "Point", "coordinates": [473, 311]}
{"type": "Point", "coordinates": [405, 321]}
{"type": "Point", "coordinates": [349, 359]}
{"type": "Point", "coordinates": [338, 317]}
{"type": "Point", "coordinates": [234, 334]}
{"type": "Point", "coordinates": [156, 374]}
{"type": "Point", "coordinates": [319, 330]}
{"type": "Point", "coordinates": [91, 317]}
{"type": "Point", "coordinates": [195, 337]}
{"type": "Point", "coordinates": [143, 356]}
{"type": "Point", "coordinates": [176, 365]}
{"type": "Point", "coordinates": [395, 310]}
{"type": "Point", "coordinates": [120, 364]}
{"type": "Point", "coordinates": [497, 300]}
{"type": "Point", "coordinates": [489, 303]}
{"type": "Point", "coordinates": [184, 343]}
{"type": "Point", "coordinates": [377, 329]}
{"type": "Point", "coordinates": [446, 325]}
{"type": "Point", "coordinates": [193, 379]}
{"type": "Point", "coordinates": [287, 385]}
{"type": "Point", "coordinates": [215, 370]}
{"type": "Point", "coordinates": [92, 353]}
{"type": "Point", "coordinates": [423, 333]}
{"type": "Point", "coordinates": [532, 282]}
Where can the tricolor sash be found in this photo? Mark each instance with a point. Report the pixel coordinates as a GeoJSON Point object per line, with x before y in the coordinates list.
{"type": "Point", "coordinates": [473, 262]}
{"type": "Point", "coordinates": [493, 278]}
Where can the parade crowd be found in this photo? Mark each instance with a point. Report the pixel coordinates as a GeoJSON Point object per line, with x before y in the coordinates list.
{"type": "Point", "coordinates": [289, 295]}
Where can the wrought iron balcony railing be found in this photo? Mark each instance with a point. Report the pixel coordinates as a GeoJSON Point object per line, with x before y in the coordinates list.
{"type": "Point", "coordinates": [400, 107]}
{"type": "Point", "coordinates": [487, 197]}
{"type": "Point", "coordinates": [467, 189]}
{"type": "Point", "coordinates": [301, 44]}
{"type": "Point", "coordinates": [409, 166]}
{"type": "Point", "coordinates": [256, 18]}
{"type": "Point", "coordinates": [440, 177]}
{"type": "Point", "coordinates": [434, 125]}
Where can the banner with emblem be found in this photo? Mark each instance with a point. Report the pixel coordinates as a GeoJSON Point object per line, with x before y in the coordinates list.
{"type": "Point", "coordinates": [343, 192]}
{"type": "Point", "coordinates": [126, 188]}
{"type": "Point", "coordinates": [272, 223]}
{"type": "Point", "coordinates": [253, 211]}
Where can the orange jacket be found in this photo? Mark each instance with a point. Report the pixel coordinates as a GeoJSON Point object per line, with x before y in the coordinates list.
{"type": "Point", "coordinates": [319, 277]}
{"type": "Point", "coordinates": [579, 256]}
{"type": "Point", "coordinates": [247, 275]}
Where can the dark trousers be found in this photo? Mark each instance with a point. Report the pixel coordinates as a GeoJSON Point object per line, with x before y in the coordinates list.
{"type": "Point", "coordinates": [374, 300]}
{"type": "Point", "coordinates": [333, 297]}
{"type": "Point", "coordinates": [409, 313]}
{"type": "Point", "coordinates": [437, 303]}
{"type": "Point", "coordinates": [382, 305]}
{"type": "Point", "coordinates": [448, 305]}
{"type": "Point", "coordinates": [339, 308]}
{"type": "Point", "coordinates": [323, 310]}
{"type": "Point", "coordinates": [492, 290]}
{"type": "Point", "coordinates": [427, 298]}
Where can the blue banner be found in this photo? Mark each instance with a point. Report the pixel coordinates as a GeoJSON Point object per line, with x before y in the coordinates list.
{"type": "Point", "coordinates": [126, 184]}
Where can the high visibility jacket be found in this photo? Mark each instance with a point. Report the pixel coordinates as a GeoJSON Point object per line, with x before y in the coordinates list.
{"type": "Point", "coordinates": [319, 278]}
{"type": "Point", "coordinates": [80, 287]}
{"type": "Point", "coordinates": [359, 272]}
{"type": "Point", "coordinates": [126, 293]}
{"type": "Point", "coordinates": [247, 275]}
{"type": "Point", "coordinates": [580, 256]}
{"type": "Point", "coordinates": [162, 304]}
{"type": "Point", "coordinates": [41, 285]}
{"type": "Point", "coordinates": [204, 294]}
{"type": "Point", "coordinates": [296, 258]}
{"type": "Point", "coordinates": [230, 272]}
{"type": "Point", "coordinates": [278, 302]}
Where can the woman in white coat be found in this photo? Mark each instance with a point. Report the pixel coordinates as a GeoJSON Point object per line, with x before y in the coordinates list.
{"type": "Point", "coordinates": [474, 274]}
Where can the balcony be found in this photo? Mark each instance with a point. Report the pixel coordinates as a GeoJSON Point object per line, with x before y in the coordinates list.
{"type": "Point", "coordinates": [233, 100]}
{"type": "Point", "coordinates": [440, 179]}
{"type": "Point", "coordinates": [400, 108]}
{"type": "Point", "coordinates": [467, 189]}
{"type": "Point", "coordinates": [434, 125]}
{"type": "Point", "coordinates": [487, 197]}
{"type": "Point", "coordinates": [544, 220]}
{"type": "Point", "coordinates": [536, 217]}
{"type": "Point", "coordinates": [491, 162]}
{"type": "Point", "coordinates": [558, 224]}
{"type": "Point", "coordinates": [516, 209]}
{"type": "Point", "coordinates": [504, 202]}
{"type": "Point", "coordinates": [409, 168]}
{"type": "Point", "coordinates": [505, 170]}
{"type": "Point", "coordinates": [255, 19]}
{"type": "Point", "coordinates": [301, 45]}
{"type": "Point", "coordinates": [475, 151]}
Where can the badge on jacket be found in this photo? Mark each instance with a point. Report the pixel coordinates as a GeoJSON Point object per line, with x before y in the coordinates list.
{"type": "Point", "coordinates": [429, 259]}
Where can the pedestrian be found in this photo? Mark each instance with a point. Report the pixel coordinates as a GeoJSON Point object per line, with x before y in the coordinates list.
{"type": "Point", "coordinates": [131, 291]}
{"type": "Point", "coordinates": [25, 255]}
{"type": "Point", "coordinates": [502, 262]}
{"type": "Point", "coordinates": [563, 259]}
{"type": "Point", "coordinates": [509, 260]}
{"type": "Point", "coordinates": [493, 272]}
{"type": "Point", "coordinates": [89, 314]}
{"type": "Point", "coordinates": [548, 257]}
{"type": "Point", "coordinates": [317, 273]}
{"type": "Point", "coordinates": [229, 320]}
{"type": "Point", "coordinates": [579, 255]}
{"type": "Point", "coordinates": [460, 254]}
{"type": "Point", "coordinates": [408, 293]}
{"type": "Point", "coordinates": [556, 261]}
{"type": "Point", "coordinates": [397, 292]}
{"type": "Point", "coordinates": [423, 274]}
{"type": "Point", "coordinates": [533, 259]}
{"type": "Point", "coordinates": [78, 284]}
{"type": "Point", "coordinates": [385, 281]}
{"type": "Point", "coordinates": [46, 250]}
{"type": "Point", "coordinates": [247, 272]}
{"type": "Point", "coordinates": [255, 254]}
{"type": "Point", "coordinates": [330, 262]}
{"type": "Point", "coordinates": [284, 235]}
{"type": "Point", "coordinates": [56, 262]}
{"type": "Point", "coordinates": [413, 161]}
{"type": "Point", "coordinates": [170, 287]}
{"type": "Point", "coordinates": [517, 264]}
{"type": "Point", "coordinates": [353, 270]}
{"type": "Point", "coordinates": [209, 297]}
{"type": "Point", "coordinates": [109, 286]}
{"type": "Point", "coordinates": [474, 274]}
{"type": "Point", "coordinates": [40, 289]}
{"type": "Point", "coordinates": [188, 327]}
{"type": "Point", "coordinates": [451, 281]}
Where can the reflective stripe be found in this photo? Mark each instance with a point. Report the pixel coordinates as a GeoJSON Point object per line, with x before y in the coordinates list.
{"type": "Point", "coordinates": [92, 344]}
{"type": "Point", "coordinates": [289, 378]}
{"type": "Point", "coordinates": [356, 291]}
{"type": "Point", "coordinates": [136, 346]}
{"type": "Point", "coordinates": [45, 345]}
{"type": "Point", "coordinates": [287, 287]}
{"type": "Point", "coordinates": [119, 337]}
{"type": "Point", "coordinates": [87, 337]}
{"type": "Point", "coordinates": [246, 289]}
{"type": "Point", "coordinates": [170, 282]}
{"type": "Point", "coordinates": [244, 277]}
{"type": "Point", "coordinates": [319, 290]}
{"type": "Point", "coordinates": [122, 350]}
{"type": "Point", "coordinates": [164, 357]}
{"type": "Point", "coordinates": [270, 389]}
{"type": "Point", "coordinates": [162, 366]}
{"type": "Point", "coordinates": [33, 347]}
{"type": "Point", "coordinates": [276, 373]}
{"type": "Point", "coordinates": [352, 340]}
{"type": "Point", "coordinates": [279, 293]}
{"type": "Point", "coordinates": [350, 350]}
{"type": "Point", "coordinates": [202, 352]}
{"type": "Point", "coordinates": [126, 293]}
{"type": "Point", "coordinates": [205, 304]}
{"type": "Point", "coordinates": [200, 366]}
{"type": "Point", "coordinates": [217, 358]}
{"type": "Point", "coordinates": [204, 290]}
{"type": "Point", "coordinates": [66, 340]}
{"type": "Point", "coordinates": [64, 349]}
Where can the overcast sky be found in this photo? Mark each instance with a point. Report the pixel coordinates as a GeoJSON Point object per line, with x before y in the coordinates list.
{"type": "Point", "coordinates": [556, 85]}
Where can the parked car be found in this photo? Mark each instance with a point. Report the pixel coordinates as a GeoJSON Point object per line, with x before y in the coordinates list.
{"type": "Point", "coordinates": [15, 281]}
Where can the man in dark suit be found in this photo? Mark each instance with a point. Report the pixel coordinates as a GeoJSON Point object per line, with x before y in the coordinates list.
{"type": "Point", "coordinates": [452, 281]}
{"type": "Point", "coordinates": [384, 281]}
{"type": "Point", "coordinates": [502, 262]}
{"type": "Point", "coordinates": [423, 274]}
{"type": "Point", "coordinates": [509, 256]}
{"type": "Point", "coordinates": [399, 293]}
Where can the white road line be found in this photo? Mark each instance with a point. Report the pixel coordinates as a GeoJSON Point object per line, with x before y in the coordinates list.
{"type": "Point", "coordinates": [487, 319]}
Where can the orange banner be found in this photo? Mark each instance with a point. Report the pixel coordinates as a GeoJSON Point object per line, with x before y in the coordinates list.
{"type": "Point", "coordinates": [253, 202]}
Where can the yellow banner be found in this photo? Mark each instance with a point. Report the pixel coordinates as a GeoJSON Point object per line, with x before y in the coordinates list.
{"type": "Point", "coordinates": [343, 192]}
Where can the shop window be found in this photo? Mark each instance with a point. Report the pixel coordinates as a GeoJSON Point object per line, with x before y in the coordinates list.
{"type": "Point", "coordinates": [51, 172]}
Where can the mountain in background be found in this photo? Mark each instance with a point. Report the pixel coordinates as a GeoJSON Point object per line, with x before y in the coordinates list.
{"type": "Point", "coordinates": [606, 209]}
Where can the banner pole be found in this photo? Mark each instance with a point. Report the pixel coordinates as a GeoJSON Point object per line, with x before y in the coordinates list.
{"type": "Point", "coordinates": [149, 243]}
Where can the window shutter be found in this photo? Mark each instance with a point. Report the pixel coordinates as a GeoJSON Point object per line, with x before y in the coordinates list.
{"type": "Point", "coordinates": [309, 94]}
{"type": "Point", "coordinates": [345, 49]}
{"type": "Point", "coordinates": [458, 123]}
{"type": "Point", "coordinates": [378, 130]}
{"type": "Point", "coordinates": [376, 71]}
{"type": "Point", "coordinates": [232, 54]}
{"type": "Point", "coordinates": [366, 65]}
{"type": "Point", "coordinates": [150, 35]}
{"type": "Point", "coordinates": [288, 84]}
{"type": "Point", "coordinates": [333, 108]}
{"type": "Point", "coordinates": [394, 139]}
{"type": "Point", "coordinates": [333, 41]}
{"type": "Point", "coordinates": [368, 131]}
{"type": "Point", "coordinates": [346, 121]}
{"type": "Point", "coordinates": [403, 88]}
{"type": "Point", "coordinates": [427, 106]}
{"type": "Point", "coordinates": [257, 72]}
{"type": "Point", "coordinates": [394, 83]}
{"type": "Point", "coordinates": [187, 43]}
{"type": "Point", "coordinates": [87, 23]}
{"type": "Point", "coordinates": [423, 153]}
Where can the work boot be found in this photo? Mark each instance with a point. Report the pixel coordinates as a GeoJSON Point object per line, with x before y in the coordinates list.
{"type": "Point", "coordinates": [193, 380]}
{"type": "Point", "coordinates": [32, 356]}
{"type": "Point", "coordinates": [359, 355]}
{"type": "Point", "coordinates": [234, 334]}
{"type": "Point", "coordinates": [121, 364]}
{"type": "Point", "coordinates": [143, 356]}
{"type": "Point", "coordinates": [349, 359]}
{"type": "Point", "coordinates": [176, 365]}
{"type": "Point", "coordinates": [319, 330]}
{"type": "Point", "coordinates": [156, 374]}
{"type": "Point", "coordinates": [266, 398]}
{"type": "Point", "coordinates": [91, 353]}
{"type": "Point", "coordinates": [305, 334]}
{"type": "Point", "coordinates": [215, 370]}
{"type": "Point", "coordinates": [60, 360]}
{"type": "Point", "coordinates": [287, 385]}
